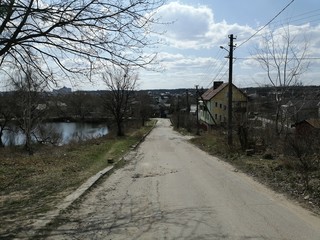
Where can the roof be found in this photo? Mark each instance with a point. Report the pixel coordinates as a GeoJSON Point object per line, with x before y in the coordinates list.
{"type": "Point", "coordinates": [314, 122]}
{"type": "Point", "coordinates": [210, 93]}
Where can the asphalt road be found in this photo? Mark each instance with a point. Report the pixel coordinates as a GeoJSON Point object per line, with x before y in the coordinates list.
{"type": "Point", "coordinates": [173, 190]}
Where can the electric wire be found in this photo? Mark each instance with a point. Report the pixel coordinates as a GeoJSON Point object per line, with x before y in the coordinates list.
{"type": "Point", "coordinates": [213, 68]}
{"type": "Point", "coordinates": [218, 73]}
{"type": "Point", "coordinates": [312, 15]}
{"type": "Point", "coordinates": [304, 58]}
{"type": "Point", "coordinates": [267, 24]}
{"type": "Point", "coordinates": [297, 17]}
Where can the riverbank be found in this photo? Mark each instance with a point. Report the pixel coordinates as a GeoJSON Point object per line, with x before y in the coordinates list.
{"type": "Point", "coordinates": [32, 185]}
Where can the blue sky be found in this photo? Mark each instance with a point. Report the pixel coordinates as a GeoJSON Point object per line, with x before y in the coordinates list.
{"type": "Point", "coordinates": [191, 55]}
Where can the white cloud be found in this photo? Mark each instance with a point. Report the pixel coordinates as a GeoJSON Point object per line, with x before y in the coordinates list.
{"type": "Point", "coordinates": [194, 26]}
{"type": "Point", "coordinates": [187, 65]}
{"type": "Point", "coordinates": [189, 23]}
{"type": "Point", "coordinates": [181, 71]}
{"type": "Point", "coordinates": [195, 34]}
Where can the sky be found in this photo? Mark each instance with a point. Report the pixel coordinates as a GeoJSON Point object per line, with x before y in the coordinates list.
{"type": "Point", "coordinates": [192, 55]}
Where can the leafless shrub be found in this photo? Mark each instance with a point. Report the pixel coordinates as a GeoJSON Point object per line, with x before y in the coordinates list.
{"type": "Point", "coordinates": [303, 153]}
{"type": "Point", "coordinates": [47, 134]}
{"type": "Point", "coordinates": [283, 57]}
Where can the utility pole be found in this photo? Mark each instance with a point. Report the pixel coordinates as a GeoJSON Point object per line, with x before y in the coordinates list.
{"type": "Point", "coordinates": [230, 140]}
{"type": "Point", "coordinates": [197, 100]}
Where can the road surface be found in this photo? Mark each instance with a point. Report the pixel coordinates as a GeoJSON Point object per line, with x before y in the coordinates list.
{"type": "Point", "coordinates": [173, 190]}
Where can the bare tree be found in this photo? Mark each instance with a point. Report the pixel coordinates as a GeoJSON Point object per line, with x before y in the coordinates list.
{"type": "Point", "coordinates": [282, 55]}
{"type": "Point", "coordinates": [144, 106]}
{"type": "Point", "coordinates": [6, 115]}
{"type": "Point", "coordinates": [29, 109]}
{"type": "Point", "coordinates": [77, 36]}
{"type": "Point", "coordinates": [121, 81]}
{"type": "Point", "coordinates": [80, 104]}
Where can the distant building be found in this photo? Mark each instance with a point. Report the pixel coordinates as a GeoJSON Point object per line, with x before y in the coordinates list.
{"type": "Point", "coordinates": [301, 109]}
{"type": "Point", "coordinates": [63, 90]}
{"type": "Point", "coordinates": [193, 109]}
{"type": "Point", "coordinates": [214, 104]}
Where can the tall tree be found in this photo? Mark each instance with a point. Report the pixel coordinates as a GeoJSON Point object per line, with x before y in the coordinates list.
{"type": "Point", "coordinates": [283, 56]}
{"type": "Point", "coordinates": [29, 108]}
{"type": "Point", "coordinates": [77, 36]}
{"type": "Point", "coordinates": [121, 82]}
{"type": "Point", "coordinates": [80, 104]}
{"type": "Point", "coordinates": [144, 106]}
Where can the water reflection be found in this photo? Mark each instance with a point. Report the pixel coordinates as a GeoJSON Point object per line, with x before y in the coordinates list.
{"type": "Point", "coordinates": [61, 133]}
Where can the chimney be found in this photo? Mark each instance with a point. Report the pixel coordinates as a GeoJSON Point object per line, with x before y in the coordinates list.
{"type": "Point", "coordinates": [217, 84]}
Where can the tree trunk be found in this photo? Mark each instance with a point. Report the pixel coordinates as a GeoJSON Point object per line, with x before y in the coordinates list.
{"type": "Point", "coordinates": [28, 143]}
{"type": "Point", "coordinates": [28, 127]}
{"type": "Point", "coordinates": [276, 121]}
{"type": "Point", "coordinates": [243, 136]}
{"type": "Point", "coordinates": [1, 133]}
{"type": "Point", "coordinates": [120, 130]}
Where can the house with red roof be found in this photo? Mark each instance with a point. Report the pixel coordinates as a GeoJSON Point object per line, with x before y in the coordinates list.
{"type": "Point", "coordinates": [214, 105]}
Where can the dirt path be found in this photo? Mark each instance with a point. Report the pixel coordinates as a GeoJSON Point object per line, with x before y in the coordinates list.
{"type": "Point", "coordinates": [172, 190]}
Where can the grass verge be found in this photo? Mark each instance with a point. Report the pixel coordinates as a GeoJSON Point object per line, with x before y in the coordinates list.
{"type": "Point", "coordinates": [277, 173]}
{"type": "Point", "coordinates": [32, 185]}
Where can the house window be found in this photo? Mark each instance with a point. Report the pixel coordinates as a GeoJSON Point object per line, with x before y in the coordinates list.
{"type": "Point", "coordinates": [216, 116]}
{"type": "Point", "coordinates": [220, 105]}
{"type": "Point", "coordinates": [220, 118]}
{"type": "Point", "coordinates": [216, 104]}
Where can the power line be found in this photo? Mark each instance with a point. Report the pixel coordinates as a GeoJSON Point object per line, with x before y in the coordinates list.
{"type": "Point", "coordinates": [268, 23]}
{"type": "Point", "coordinates": [299, 17]}
{"type": "Point", "coordinates": [212, 68]}
{"type": "Point", "coordinates": [306, 15]}
{"type": "Point", "coordinates": [218, 73]}
{"type": "Point", "coordinates": [305, 58]}
{"type": "Point", "coordinates": [296, 30]}
{"type": "Point", "coordinates": [223, 75]}
{"type": "Point", "coordinates": [303, 18]}
{"type": "Point", "coordinates": [298, 21]}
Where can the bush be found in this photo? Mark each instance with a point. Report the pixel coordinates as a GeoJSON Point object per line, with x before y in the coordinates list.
{"type": "Point", "coordinates": [268, 156]}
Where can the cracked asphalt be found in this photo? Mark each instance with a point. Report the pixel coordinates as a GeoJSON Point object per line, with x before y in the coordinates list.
{"type": "Point", "coordinates": [172, 190]}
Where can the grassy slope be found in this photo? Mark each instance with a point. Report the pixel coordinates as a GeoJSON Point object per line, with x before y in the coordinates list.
{"type": "Point", "coordinates": [31, 185]}
{"type": "Point", "coordinates": [277, 173]}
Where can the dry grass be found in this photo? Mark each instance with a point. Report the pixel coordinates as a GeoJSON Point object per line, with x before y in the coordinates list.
{"type": "Point", "coordinates": [32, 185]}
{"type": "Point", "coordinates": [277, 173]}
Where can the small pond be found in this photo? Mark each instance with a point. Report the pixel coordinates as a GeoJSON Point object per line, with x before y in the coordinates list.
{"type": "Point", "coordinates": [59, 133]}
